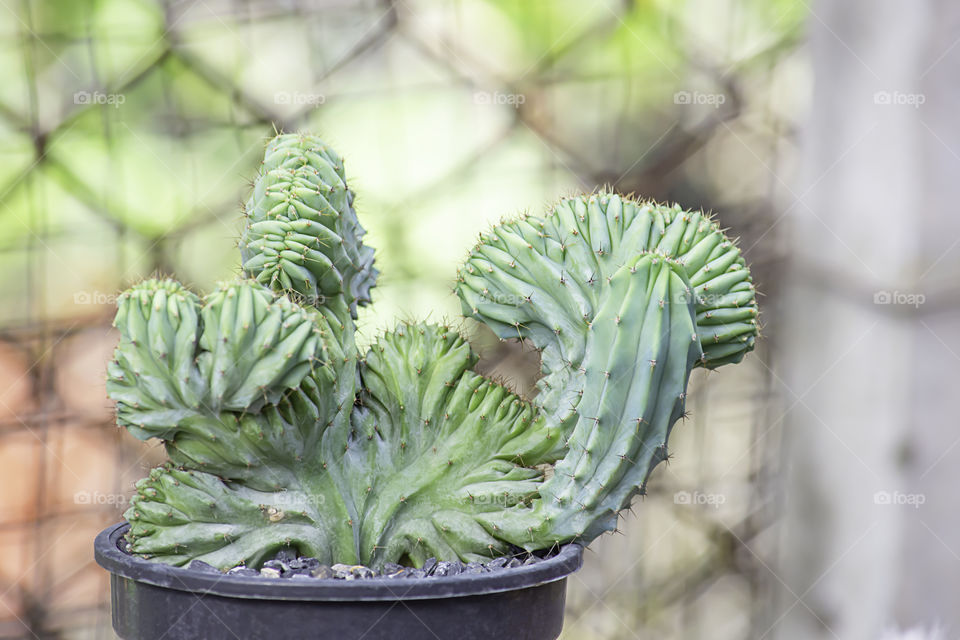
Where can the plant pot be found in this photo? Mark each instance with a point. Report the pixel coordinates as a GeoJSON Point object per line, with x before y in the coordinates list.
{"type": "Point", "coordinates": [151, 601]}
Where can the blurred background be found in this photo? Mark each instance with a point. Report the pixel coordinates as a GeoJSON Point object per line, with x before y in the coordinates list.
{"type": "Point", "coordinates": [811, 492]}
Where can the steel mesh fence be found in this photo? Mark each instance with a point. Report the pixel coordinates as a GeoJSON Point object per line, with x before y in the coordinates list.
{"type": "Point", "coordinates": [130, 129]}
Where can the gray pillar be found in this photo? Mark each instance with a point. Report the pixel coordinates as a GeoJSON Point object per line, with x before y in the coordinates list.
{"type": "Point", "coordinates": [869, 329]}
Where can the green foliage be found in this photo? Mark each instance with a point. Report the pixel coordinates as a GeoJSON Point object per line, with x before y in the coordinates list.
{"type": "Point", "coordinates": [281, 435]}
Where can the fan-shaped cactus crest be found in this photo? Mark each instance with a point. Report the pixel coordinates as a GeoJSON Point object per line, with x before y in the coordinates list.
{"type": "Point", "coordinates": [281, 433]}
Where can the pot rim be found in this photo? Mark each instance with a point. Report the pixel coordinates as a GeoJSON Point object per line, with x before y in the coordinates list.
{"type": "Point", "coordinates": [109, 556]}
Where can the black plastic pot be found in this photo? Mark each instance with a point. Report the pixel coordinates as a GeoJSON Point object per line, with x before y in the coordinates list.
{"type": "Point", "coordinates": [153, 601]}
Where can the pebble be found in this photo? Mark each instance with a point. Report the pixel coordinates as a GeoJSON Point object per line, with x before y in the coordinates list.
{"type": "Point", "coordinates": [305, 562]}
{"type": "Point", "coordinates": [352, 571]}
{"type": "Point", "coordinates": [200, 565]}
{"type": "Point", "coordinates": [286, 564]}
{"type": "Point", "coordinates": [285, 556]}
{"type": "Point", "coordinates": [276, 564]}
{"type": "Point", "coordinates": [395, 573]}
{"type": "Point", "coordinates": [293, 573]}
{"type": "Point", "coordinates": [446, 568]}
{"type": "Point", "coordinates": [364, 572]}
{"type": "Point", "coordinates": [322, 572]}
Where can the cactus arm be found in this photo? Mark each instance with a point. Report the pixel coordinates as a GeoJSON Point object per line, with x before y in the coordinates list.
{"type": "Point", "coordinates": [302, 234]}
{"type": "Point", "coordinates": [441, 446]}
{"type": "Point", "coordinates": [241, 350]}
{"type": "Point", "coordinates": [272, 389]}
{"type": "Point", "coordinates": [538, 278]}
{"type": "Point", "coordinates": [559, 281]}
{"type": "Point", "coordinates": [642, 350]}
{"type": "Point", "coordinates": [725, 298]}
{"type": "Point", "coordinates": [251, 393]}
{"type": "Point", "coordinates": [244, 396]}
{"type": "Point", "coordinates": [642, 347]}
{"type": "Point", "coordinates": [178, 515]}
{"type": "Point", "coordinates": [302, 238]}
{"type": "Point", "coordinates": [153, 377]}
{"type": "Point", "coordinates": [254, 346]}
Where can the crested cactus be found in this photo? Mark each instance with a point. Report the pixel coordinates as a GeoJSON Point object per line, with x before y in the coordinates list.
{"type": "Point", "coordinates": [281, 433]}
{"type": "Point", "coordinates": [623, 299]}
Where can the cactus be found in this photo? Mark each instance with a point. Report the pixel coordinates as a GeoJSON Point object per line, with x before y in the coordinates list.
{"type": "Point", "coordinates": [282, 434]}
{"type": "Point", "coordinates": [623, 299]}
{"type": "Point", "coordinates": [302, 234]}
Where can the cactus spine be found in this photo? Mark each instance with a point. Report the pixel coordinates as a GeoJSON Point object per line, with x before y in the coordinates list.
{"type": "Point", "coordinates": [281, 434]}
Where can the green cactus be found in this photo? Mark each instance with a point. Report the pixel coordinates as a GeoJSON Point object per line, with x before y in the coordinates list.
{"type": "Point", "coordinates": [623, 299]}
{"type": "Point", "coordinates": [302, 234]}
{"type": "Point", "coordinates": [281, 434]}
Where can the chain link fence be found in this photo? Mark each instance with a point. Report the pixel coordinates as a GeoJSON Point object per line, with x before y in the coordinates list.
{"type": "Point", "coordinates": [130, 129]}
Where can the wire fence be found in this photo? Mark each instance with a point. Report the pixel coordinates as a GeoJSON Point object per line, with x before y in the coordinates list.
{"type": "Point", "coordinates": [129, 130]}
